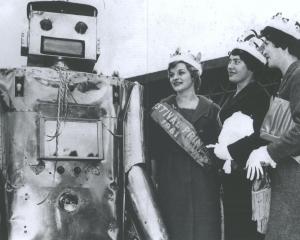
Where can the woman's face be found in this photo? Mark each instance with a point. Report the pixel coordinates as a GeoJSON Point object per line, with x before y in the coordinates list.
{"type": "Point", "coordinates": [237, 70]}
{"type": "Point", "coordinates": [180, 78]}
{"type": "Point", "coordinates": [271, 53]}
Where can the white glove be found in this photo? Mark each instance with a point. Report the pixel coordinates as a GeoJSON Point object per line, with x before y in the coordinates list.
{"type": "Point", "coordinates": [221, 152]}
{"type": "Point", "coordinates": [256, 159]}
{"type": "Point", "coordinates": [227, 167]}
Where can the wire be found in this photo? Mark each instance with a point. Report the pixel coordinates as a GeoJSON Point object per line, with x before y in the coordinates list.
{"type": "Point", "coordinates": [62, 105]}
{"type": "Point", "coordinates": [115, 135]}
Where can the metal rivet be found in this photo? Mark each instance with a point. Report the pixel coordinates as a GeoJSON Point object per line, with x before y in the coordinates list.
{"type": "Point", "coordinates": [60, 169]}
{"type": "Point", "coordinates": [77, 170]}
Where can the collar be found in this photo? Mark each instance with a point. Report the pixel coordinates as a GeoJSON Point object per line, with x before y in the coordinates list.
{"type": "Point", "coordinates": [202, 110]}
{"type": "Point", "coordinates": [288, 74]}
{"type": "Point", "coordinates": [291, 68]}
{"type": "Point", "coordinates": [252, 86]}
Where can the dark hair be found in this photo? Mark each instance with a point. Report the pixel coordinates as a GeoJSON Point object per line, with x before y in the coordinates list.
{"type": "Point", "coordinates": [252, 63]}
{"type": "Point", "coordinates": [282, 40]}
{"type": "Point", "coordinates": [193, 71]}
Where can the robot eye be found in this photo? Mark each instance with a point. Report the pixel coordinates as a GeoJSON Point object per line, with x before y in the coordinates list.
{"type": "Point", "coordinates": [81, 27]}
{"type": "Point", "coordinates": [46, 24]}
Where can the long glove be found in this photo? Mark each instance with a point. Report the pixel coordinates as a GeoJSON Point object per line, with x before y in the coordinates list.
{"type": "Point", "coordinates": [221, 151]}
{"type": "Point", "coordinates": [256, 159]}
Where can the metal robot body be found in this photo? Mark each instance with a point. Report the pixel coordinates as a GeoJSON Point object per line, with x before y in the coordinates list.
{"type": "Point", "coordinates": [71, 140]}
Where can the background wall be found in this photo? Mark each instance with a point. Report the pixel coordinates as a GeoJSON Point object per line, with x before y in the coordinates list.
{"type": "Point", "coordinates": [137, 36]}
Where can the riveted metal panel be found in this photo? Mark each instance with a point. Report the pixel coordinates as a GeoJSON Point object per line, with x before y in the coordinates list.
{"type": "Point", "coordinates": [59, 198]}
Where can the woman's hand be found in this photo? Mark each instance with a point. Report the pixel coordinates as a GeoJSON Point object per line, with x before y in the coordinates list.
{"type": "Point", "coordinates": [255, 161]}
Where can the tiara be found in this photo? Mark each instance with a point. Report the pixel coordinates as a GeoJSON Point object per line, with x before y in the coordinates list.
{"type": "Point", "coordinates": [247, 35]}
{"type": "Point", "coordinates": [286, 25]}
{"type": "Point", "coordinates": [250, 43]}
{"type": "Point", "coordinates": [186, 57]}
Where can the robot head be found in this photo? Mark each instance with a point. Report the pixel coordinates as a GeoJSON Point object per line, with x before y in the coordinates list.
{"type": "Point", "coordinates": [61, 30]}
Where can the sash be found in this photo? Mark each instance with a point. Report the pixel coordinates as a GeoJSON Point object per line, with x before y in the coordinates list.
{"type": "Point", "coordinates": [181, 131]}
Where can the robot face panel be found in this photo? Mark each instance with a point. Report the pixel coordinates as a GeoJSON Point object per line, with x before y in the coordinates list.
{"type": "Point", "coordinates": [61, 34]}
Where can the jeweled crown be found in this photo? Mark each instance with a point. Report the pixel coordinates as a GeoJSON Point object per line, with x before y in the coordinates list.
{"type": "Point", "coordinates": [186, 57]}
{"type": "Point", "coordinates": [286, 25]}
{"type": "Point", "coordinates": [250, 43]}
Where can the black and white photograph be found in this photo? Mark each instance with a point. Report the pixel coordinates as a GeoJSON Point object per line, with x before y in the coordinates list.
{"type": "Point", "coordinates": [149, 120]}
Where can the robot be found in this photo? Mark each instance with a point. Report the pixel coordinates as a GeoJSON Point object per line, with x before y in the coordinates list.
{"type": "Point", "coordinates": [72, 156]}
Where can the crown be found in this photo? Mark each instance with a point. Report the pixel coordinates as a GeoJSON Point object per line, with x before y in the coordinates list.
{"type": "Point", "coordinates": [286, 25]}
{"type": "Point", "coordinates": [250, 43]}
{"type": "Point", "coordinates": [186, 57]}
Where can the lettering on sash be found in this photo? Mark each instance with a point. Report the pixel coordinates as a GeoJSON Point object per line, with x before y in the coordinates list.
{"type": "Point", "coordinates": [181, 131]}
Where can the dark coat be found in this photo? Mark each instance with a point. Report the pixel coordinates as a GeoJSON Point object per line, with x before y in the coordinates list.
{"type": "Point", "coordinates": [254, 102]}
{"type": "Point", "coordinates": [188, 193]}
{"type": "Point", "coordinates": [284, 222]}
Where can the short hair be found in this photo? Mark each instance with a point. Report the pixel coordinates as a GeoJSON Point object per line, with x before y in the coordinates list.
{"type": "Point", "coordinates": [282, 40]}
{"type": "Point", "coordinates": [195, 74]}
{"type": "Point", "coordinates": [252, 63]}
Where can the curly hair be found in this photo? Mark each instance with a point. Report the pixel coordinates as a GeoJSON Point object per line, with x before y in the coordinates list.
{"type": "Point", "coordinates": [192, 70]}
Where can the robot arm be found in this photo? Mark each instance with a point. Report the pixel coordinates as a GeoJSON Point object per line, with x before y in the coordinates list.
{"type": "Point", "coordinates": [139, 185]}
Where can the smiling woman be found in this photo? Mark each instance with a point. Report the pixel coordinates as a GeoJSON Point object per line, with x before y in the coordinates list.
{"type": "Point", "coordinates": [181, 80]}
{"type": "Point", "coordinates": [244, 66]}
{"type": "Point", "coordinates": [188, 185]}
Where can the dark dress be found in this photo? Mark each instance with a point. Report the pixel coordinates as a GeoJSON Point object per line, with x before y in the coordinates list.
{"type": "Point", "coordinates": [284, 222]}
{"type": "Point", "coordinates": [189, 195]}
{"type": "Point", "coordinates": [254, 102]}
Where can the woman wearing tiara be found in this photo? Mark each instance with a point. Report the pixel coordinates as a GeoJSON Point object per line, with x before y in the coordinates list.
{"type": "Point", "coordinates": [248, 105]}
{"type": "Point", "coordinates": [188, 185]}
{"type": "Point", "coordinates": [282, 50]}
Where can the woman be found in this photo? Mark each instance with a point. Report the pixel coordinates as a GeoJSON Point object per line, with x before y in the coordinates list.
{"type": "Point", "coordinates": [282, 50]}
{"type": "Point", "coordinates": [245, 64]}
{"type": "Point", "coordinates": [188, 186]}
